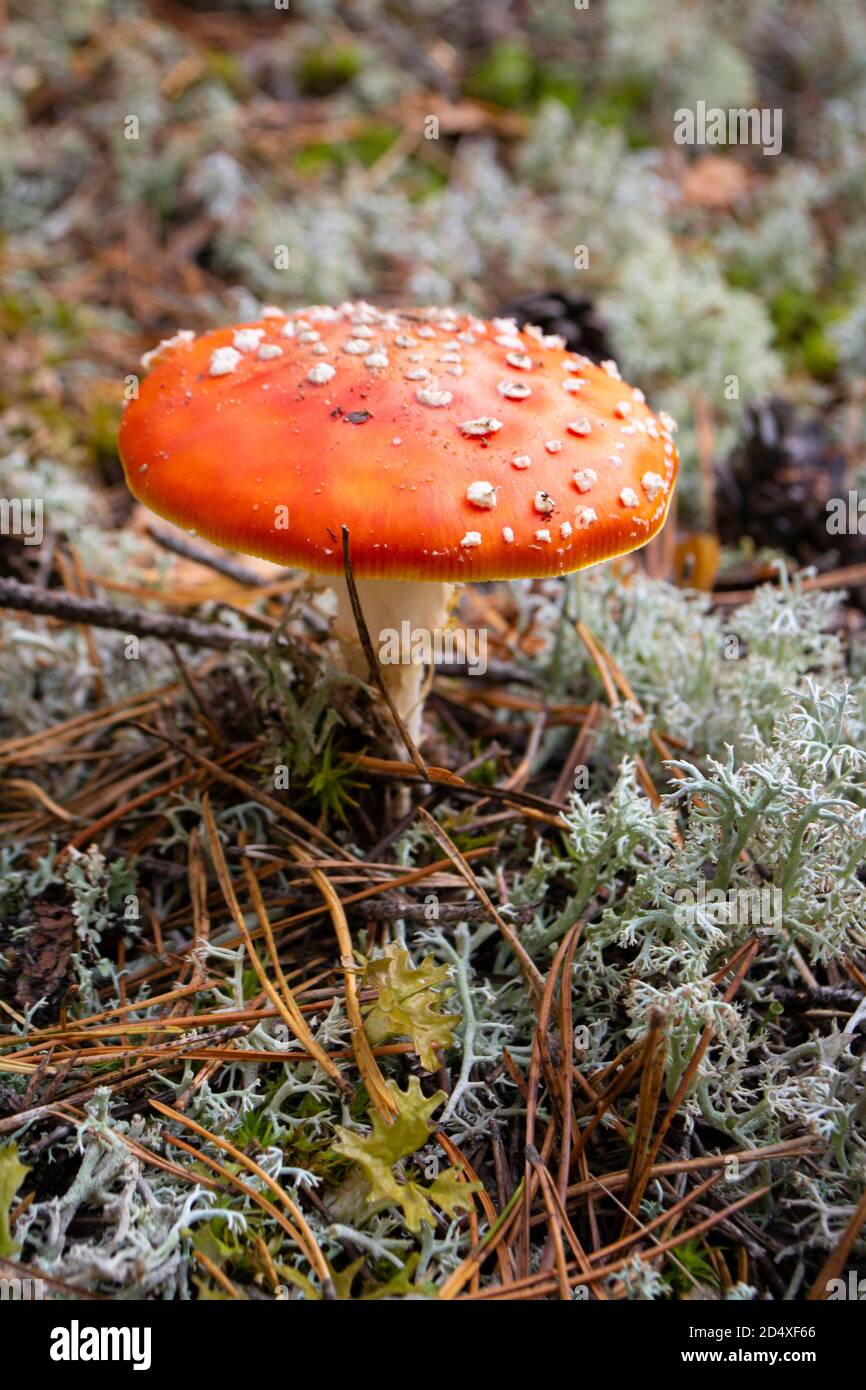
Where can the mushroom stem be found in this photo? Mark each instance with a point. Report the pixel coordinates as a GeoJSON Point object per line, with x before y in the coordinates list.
{"type": "Point", "coordinates": [404, 618]}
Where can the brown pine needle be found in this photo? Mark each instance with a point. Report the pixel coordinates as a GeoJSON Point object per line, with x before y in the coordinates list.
{"type": "Point", "coordinates": [688, 1076]}
{"type": "Point", "coordinates": [611, 676]}
{"type": "Point", "coordinates": [665, 1218]}
{"type": "Point", "coordinates": [198, 898]}
{"type": "Point", "coordinates": [460, 1161]}
{"type": "Point", "coordinates": [652, 1080]}
{"type": "Point", "coordinates": [33, 790]}
{"type": "Point", "coordinates": [303, 1235]}
{"type": "Point", "coordinates": [554, 1222]}
{"type": "Point", "coordinates": [377, 1087]}
{"type": "Point", "coordinates": [532, 976]}
{"type": "Point", "coordinates": [290, 1011]}
{"type": "Point", "coordinates": [267, 1261]}
{"type": "Point", "coordinates": [288, 1016]}
{"type": "Point", "coordinates": [540, 1284]}
{"type": "Point", "coordinates": [595, 652]}
{"type": "Point", "coordinates": [790, 1148]}
{"type": "Point", "coordinates": [461, 1276]}
{"type": "Point", "coordinates": [217, 1275]}
{"type": "Point", "coordinates": [838, 1258]}
{"type": "Point", "coordinates": [233, 1181]}
{"type": "Point", "coordinates": [250, 790]}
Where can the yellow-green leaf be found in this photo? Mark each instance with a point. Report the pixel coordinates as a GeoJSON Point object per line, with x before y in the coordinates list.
{"type": "Point", "coordinates": [409, 1003]}
{"type": "Point", "coordinates": [12, 1174]}
{"type": "Point", "coordinates": [449, 1192]}
{"type": "Point", "coordinates": [345, 1278]}
{"type": "Point", "coordinates": [378, 1152]}
{"type": "Point", "coordinates": [400, 1285]}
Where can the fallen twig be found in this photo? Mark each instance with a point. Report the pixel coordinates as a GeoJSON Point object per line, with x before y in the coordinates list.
{"type": "Point", "coordinates": [165, 627]}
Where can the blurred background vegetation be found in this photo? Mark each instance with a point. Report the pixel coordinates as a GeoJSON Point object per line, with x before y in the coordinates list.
{"type": "Point", "coordinates": [265, 135]}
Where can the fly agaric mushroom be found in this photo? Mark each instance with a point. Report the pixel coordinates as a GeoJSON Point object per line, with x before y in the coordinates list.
{"type": "Point", "coordinates": [452, 449]}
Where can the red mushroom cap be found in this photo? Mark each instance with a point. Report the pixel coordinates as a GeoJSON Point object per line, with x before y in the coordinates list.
{"type": "Point", "coordinates": [452, 448]}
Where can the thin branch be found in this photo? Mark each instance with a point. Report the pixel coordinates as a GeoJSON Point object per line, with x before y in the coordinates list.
{"type": "Point", "coordinates": [165, 627]}
{"type": "Point", "coordinates": [222, 562]}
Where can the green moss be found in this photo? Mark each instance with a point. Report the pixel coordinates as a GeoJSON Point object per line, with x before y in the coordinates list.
{"type": "Point", "coordinates": [330, 785]}
{"type": "Point", "coordinates": [802, 321]}
{"type": "Point", "coordinates": [512, 77]}
{"type": "Point", "coordinates": [365, 148]}
{"type": "Point", "coordinates": [325, 68]}
{"type": "Point", "coordinates": [101, 429]}
{"type": "Point", "coordinates": [624, 105]}
{"type": "Point", "coordinates": [691, 1264]}
{"type": "Point", "coordinates": [506, 78]}
{"type": "Point", "coordinates": [820, 355]}
{"type": "Point", "coordinates": [257, 1128]}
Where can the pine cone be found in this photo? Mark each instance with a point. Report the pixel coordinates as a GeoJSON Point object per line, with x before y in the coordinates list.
{"type": "Point", "coordinates": [775, 484]}
{"type": "Point", "coordinates": [572, 316]}
{"type": "Point", "coordinates": [37, 948]}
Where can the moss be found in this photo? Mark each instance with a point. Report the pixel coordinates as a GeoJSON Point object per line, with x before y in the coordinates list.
{"type": "Point", "coordinates": [514, 78]}
{"type": "Point", "coordinates": [803, 323]}
{"type": "Point", "coordinates": [324, 68]}
{"type": "Point", "coordinates": [624, 105]}
{"type": "Point", "coordinates": [507, 77]}
{"type": "Point", "coordinates": [364, 148]}
{"type": "Point", "coordinates": [821, 356]}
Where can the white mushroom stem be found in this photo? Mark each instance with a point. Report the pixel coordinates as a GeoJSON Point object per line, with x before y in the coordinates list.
{"type": "Point", "coordinates": [403, 618]}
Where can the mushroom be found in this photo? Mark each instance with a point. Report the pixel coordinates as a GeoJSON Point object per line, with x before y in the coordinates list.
{"type": "Point", "coordinates": [451, 449]}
